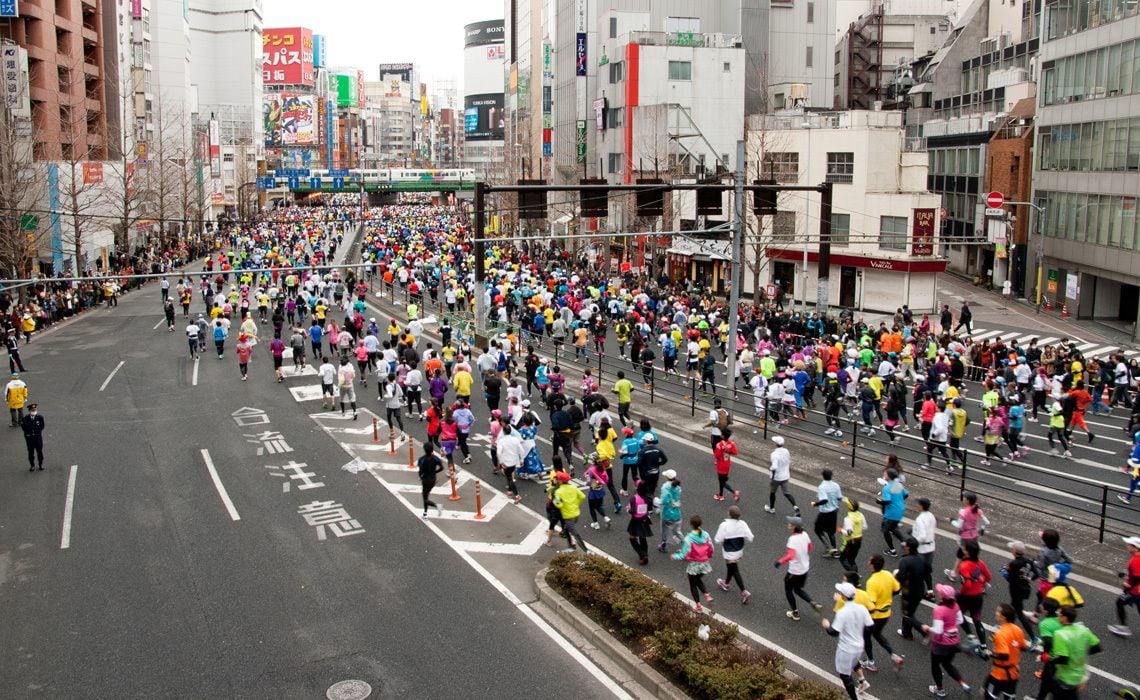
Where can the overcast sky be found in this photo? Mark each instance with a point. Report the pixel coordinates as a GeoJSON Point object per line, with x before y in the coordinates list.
{"type": "Point", "coordinates": [365, 33]}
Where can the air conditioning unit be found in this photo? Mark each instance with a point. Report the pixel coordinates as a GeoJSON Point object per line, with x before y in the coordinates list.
{"type": "Point", "coordinates": [798, 94]}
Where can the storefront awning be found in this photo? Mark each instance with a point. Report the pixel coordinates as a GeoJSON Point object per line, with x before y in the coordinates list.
{"type": "Point", "coordinates": [927, 265]}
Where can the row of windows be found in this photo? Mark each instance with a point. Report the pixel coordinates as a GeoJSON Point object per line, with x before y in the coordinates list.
{"type": "Point", "coordinates": [1078, 15]}
{"type": "Point", "coordinates": [894, 233]}
{"type": "Point", "coordinates": [954, 161]}
{"type": "Point", "coordinates": [784, 167]}
{"type": "Point", "coordinates": [1101, 219]}
{"type": "Point", "coordinates": [1106, 72]}
{"type": "Point", "coordinates": [1092, 146]}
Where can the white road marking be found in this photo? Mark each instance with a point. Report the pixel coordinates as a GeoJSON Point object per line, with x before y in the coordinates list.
{"type": "Point", "coordinates": [219, 486]}
{"type": "Point", "coordinates": [68, 505]}
{"type": "Point", "coordinates": [985, 336]}
{"type": "Point", "coordinates": [194, 378]}
{"type": "Point", "coordinates": [306, 392]}
{"type": "Point", "coordinates": [158, 324]}
{"type": "Point", "coordinates": [112, 374]}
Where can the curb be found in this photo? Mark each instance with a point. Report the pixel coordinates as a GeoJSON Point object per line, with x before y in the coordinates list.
{"type": "Point", "coordinates": [640, 672]}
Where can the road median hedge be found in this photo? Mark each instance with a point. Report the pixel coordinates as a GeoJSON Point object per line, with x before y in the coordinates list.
{"type": "Point", "coordinates": [662, 631]}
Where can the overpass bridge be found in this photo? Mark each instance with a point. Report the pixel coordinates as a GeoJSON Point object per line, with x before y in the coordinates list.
{"type": "Point", "coordinates": [374, 181]}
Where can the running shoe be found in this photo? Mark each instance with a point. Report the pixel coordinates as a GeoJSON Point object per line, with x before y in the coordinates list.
{"type": "Point", "coordinates": [793, 614]}
{"type": "Point", "coordinates": [721, 582]}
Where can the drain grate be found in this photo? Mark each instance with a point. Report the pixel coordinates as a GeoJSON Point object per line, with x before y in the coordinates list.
{"type": "Point", "coordinates": [348, 690]}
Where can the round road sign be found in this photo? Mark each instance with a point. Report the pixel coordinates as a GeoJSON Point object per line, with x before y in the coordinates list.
{"type": "Point", "coordinates": [995, 200]}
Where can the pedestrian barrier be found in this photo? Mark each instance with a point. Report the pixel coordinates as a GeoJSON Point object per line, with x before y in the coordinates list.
{"type": "Point", "coordinates": [451, 476]}
{"type": "Point", "coordinates": [375, 429]}
{"type": "Point", "coordinates": [411, 454]}
{"type": "Point", "coordinates": [479, 501]}
{"type": "Point", "coordinates": [391, 440]}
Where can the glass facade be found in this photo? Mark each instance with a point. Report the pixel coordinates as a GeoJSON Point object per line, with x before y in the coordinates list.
{"type": "Point", "coordinates": [1109, 71]}
{"type": "Point", "coordinates": [1099, 219]}
{"type": "Point", "coordinates": [1064, 17]}
{"type": "Point", "coordinates": [1110, 146]}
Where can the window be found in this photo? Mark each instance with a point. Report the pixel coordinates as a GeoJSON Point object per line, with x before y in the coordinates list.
{"type": "Point", "coordinates": [784, 168]}
{"type": "Point", "coordinates": [840, 229]}
{"type": "Point", "coordinates": [810, 12]}
{"type": "Point", "coordinates": [841, 168]}
{"type": "Point", "coordinates": [616, 117]}
{"type": "Point", "coordinates": [227, 157]}
{"type": "Point", "coordinates": [614, 163]}
{"type": "Point", "coordinates": [727, 67]}
{"type": "Point", "coordinates": [892, 233]}
{"type": "Point", "coordinates": [613, 27]}
{"type": "Point", "coordinates": [683, 25]}
{"type": "Point", "coordinates": [617, 72]}
{"type": "Point", "coordinates": [680, 70]}
{"type": "Point", "coordinates": [808, 57]}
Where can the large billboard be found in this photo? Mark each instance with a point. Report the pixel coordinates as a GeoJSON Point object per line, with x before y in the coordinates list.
{"type": "Point", "coordinates": [344, 87]}
{"type": "Point", "coordinates": [287, 56]}
{"type": "Point", "coordinates": [483, 117]}
{"type": "Point", "coordinates": [290, 119]}
{"type": "Point", "coordinates": [481, 33]}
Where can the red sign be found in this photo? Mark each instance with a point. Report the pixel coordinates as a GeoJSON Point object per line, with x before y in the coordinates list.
{"type": "Point", "coordinates": [995, 200]}
{"type": "Point", "coordinates": [922, 239]}
{"type": "Point", "coordinates": [884, 264]}
{"type": "Point", "coordinates": [287, 56]}
{"type": "Point", "coordinates": [92, 173]}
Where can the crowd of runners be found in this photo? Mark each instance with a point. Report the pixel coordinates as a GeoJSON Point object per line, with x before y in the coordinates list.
{"type": "Point", "coordinates": [591, 453]}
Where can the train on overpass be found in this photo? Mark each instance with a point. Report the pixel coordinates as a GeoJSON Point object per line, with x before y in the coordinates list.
{"type": "Point", "coordinates": [307, 180]}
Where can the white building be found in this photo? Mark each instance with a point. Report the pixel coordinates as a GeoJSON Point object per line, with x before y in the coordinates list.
{"type": "Point", "coordinates": [884, 222]}
{"type": "Point", "coordinates": [226, 70]}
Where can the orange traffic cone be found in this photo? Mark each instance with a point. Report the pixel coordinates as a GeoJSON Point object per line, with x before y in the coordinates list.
{"type": "Point", "coordinates": [1064, 310]}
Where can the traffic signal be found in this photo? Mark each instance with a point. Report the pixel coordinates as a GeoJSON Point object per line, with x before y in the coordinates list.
{"type": "Point", "coordinates": [593, 203]}
{"type": "Point", "coordinates": [532, 203]}
{"type": "Point", "coordinates": [764, 201]}
{"type": "Point", "coordinates": [651, 202]}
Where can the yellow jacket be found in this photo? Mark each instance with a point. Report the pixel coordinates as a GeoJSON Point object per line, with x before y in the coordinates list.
{"type": "Point", "coordinates": [16, 392]}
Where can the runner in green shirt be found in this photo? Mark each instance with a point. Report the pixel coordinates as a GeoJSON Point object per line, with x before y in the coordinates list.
{"type": "Point", "coordinates": [623, 388]}
{"type": "Point", "coordinates": [1072, 645]}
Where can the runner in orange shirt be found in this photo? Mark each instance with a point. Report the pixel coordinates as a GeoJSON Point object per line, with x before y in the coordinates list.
{"type": "Point", "coordinates": [1081, 399]}
{"type": "Point", "coordinates": [1008, 643]}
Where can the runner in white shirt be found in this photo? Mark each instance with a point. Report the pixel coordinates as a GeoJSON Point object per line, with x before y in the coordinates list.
{"type": "Point", "coordinates": [346, 379]}
{"type": "Point", "coordinates": [327, 373]}
{"type": "Point", "coordinates": [192, 333]}
{"type": "Point", "coordinates": [849, 626]}
{"type": "Point", "coordinates": [798, 558]}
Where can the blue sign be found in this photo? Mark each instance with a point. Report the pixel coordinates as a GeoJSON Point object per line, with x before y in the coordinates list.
{"type": "Point", "coordinates": [294, 183]}
{"type": "Point", "coordinates": [338, 173]}
{"type": "Point", "coordinates": [580, 55]}
{"type": "Point", "coordinates": [9, 8]}
{"type": "Point", "coordinates": [315, 183]}
{"type": "Point", "coordinates": [547, 149]}
{"type": "Point", "coordinates": [338, 183]}
{"type": "Point", "coordinates": [293, 172]}
{"type": "Point", "coordinates": [266, 183]}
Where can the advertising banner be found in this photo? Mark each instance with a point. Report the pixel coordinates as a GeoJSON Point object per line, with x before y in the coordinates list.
{"type": "Point", "coordinates": [922, 240]}
{"type": "Point", "coordinates": [287, 56]}
{"type": "Point", "coordinates": [320, 51]}
{"type": "Point", "coordinates": [581, 140]}
{"type": "Point", "coordinates": [483, 117]}
{"type": "Point", "coordinates": [345, 90]}
{"type": "Point", "coordinates": [290, 119]}
{"type": "Point", "coordinates": [9, 8]}
{"type": "Point", "coordinates": [215, 148]}
{"type": "Point", "coordinates": [17, 95]}
{"type": "Point", "coordinates": [482, 33]}
{"type": "Point", "coordinates": [600, 113]}
{"type": "Point", "coordinates": [92, 173]}
{"type": "Point", "coordinates": [580, 55]}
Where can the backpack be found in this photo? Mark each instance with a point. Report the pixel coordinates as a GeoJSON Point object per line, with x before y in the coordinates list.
{"type": "Point", "coordinates": [723, 419]}
{"type": "Point", "coordinates": [700, 551]}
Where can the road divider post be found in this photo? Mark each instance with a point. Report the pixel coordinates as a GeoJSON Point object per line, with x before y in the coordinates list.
{"type": "Point", "coordinates": [451, 477]}
{"type": "Point", "coordinates": [479, 501]}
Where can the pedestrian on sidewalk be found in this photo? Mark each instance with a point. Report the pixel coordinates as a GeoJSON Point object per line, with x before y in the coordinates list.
{"type": "Point", "coordinates": [780, 472]}
{"type": "Point", "coordinates": [965, 319]}
{"type": "Point", "coordinates": [732, 534]}
{"type": "Point", "coordinates": [850, 625]}
{"type": "Point", "coordinates": [670, 504]}
{"type": "Point", "coordinates": [639, 529]}
{"type": "Point", "coordinates": [429, 466]}
{"type": "Point", "coordinates": [697, 549]}
{"type": "Point", "coordinates": [1130, 595]}
{"type": "Point", "coordinates": [829, 496]}
{"type": "Point", "coordinates": [722, 456]}
{"type": "Point", "coordinates": [33, 427]}
{"type": "Point", "coordinates": [797, 556]}
{"type": "Point", "coordinates": [854, 524]}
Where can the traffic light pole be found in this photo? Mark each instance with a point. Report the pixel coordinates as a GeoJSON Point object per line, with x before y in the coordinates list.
{"type": "Point", "coordinates": [737, 263]}
{"type": "Point", "coordinates": [823, 290]}
{"type": "Point", "coordinates": [480, 266]}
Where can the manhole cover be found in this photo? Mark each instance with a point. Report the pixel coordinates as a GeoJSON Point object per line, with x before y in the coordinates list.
{"type": "Point", "coordinates": [348, 690]}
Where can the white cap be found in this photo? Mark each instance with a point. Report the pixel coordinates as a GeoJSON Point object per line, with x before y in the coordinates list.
{"type": "Point", "coordinates": [1132, 542]}
{"type": "Point", "coordinates": [779, 440]}
{"type": "Point", "coordinates": [846, 590]}
{"type": "Point", "coordinates": [669, 474]}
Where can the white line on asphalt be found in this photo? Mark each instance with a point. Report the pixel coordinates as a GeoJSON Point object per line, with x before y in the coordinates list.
{"type": "Point", "coordinates": [158, 324]}
{"type": "Point", "coordinates": [68, 505]}
{"type": "Point", "coordinates": [112, 375]}
{"type": "Point", "coordinates": [985, 336]}
{"type": "Point", "coordinates": [218, 485]}
{"type": "Point", "coordinates": [194, 378]}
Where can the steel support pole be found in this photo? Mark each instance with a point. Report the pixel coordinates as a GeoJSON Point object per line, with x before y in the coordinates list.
{"type": "Point", "coordinates": [480, 268]}
{"type": "Point", "coordinates": [823, 289]}
{"type": "Point", "coordinates": [737, 261]}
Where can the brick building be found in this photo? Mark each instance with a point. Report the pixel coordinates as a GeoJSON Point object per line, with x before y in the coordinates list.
{"type": "Point", "coordinates": [64, 41]}
{"type": "Point", "coordinates": [1009, 170]}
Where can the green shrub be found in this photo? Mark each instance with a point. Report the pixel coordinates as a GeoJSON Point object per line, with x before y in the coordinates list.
{"type": "Point", "coordinates": [663, 631]}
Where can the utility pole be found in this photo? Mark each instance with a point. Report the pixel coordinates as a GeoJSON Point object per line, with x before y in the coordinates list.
{"type": "Point", "coordinates": [823, 289]}
{"type": "Point", "coordinates": [737, 261]}
{"type": "Point", "coordinates": [480, 265]}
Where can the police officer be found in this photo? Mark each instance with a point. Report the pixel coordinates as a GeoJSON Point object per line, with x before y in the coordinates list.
{"type": "Point", "coordinates": [33, 425]}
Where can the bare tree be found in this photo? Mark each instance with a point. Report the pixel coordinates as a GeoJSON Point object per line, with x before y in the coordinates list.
{"type": "Point", "coordinates": [126, 181]}
{"type": "Point", "coordinates": [80, 176]}
{"type": "Point", "coordinates": [21, 189]}
{"type": "Point", "coordinates": [764, 150]}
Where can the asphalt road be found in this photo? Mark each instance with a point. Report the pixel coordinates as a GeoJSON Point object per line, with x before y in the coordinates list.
{"type": "Point", "coordinates": [162, 591]}
{"type": "Point", "coordinates": [764, 614]}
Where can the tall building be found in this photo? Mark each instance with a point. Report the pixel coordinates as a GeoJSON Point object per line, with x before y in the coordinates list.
{"type": "Point", "coordinates": [394, 120]}
{"type": "Point", "coordinates": [527, 64]}
{"type": "Point", "coordinates": [66, 60]}
{"type": "Point", "coordinates": [1088, 168]}
{"type": "Point", "coordinates": [298, 121]}
{"type": "Point", "coordinates": [484, 118]}
{"type": "Point", "coordinates": [226, 40]}
{"type": "Point", "coordinates": [171, 53]}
